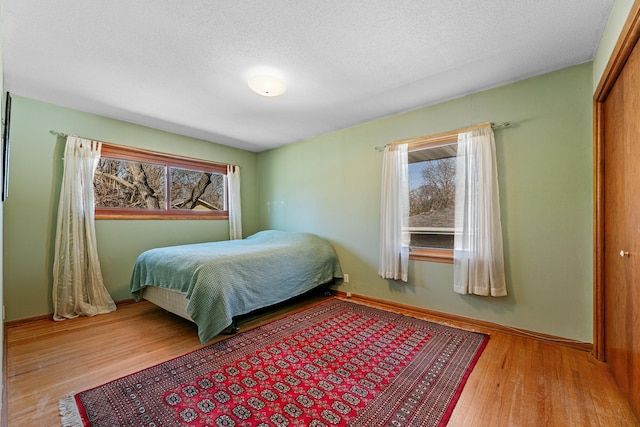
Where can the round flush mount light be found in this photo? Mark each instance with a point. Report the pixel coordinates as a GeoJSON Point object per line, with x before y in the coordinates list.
{"type": "Point", "coordinates": [267, 85]}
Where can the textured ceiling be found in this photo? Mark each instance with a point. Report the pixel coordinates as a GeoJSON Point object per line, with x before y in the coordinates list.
{"type": "Point", "coordinates": [182, 65]}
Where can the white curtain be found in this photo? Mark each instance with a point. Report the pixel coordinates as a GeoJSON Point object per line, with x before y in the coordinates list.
{"type": "Point", "coordinates": [235, 213]}
{"type": "Point", "coordinates": [478, 262]}
{"type": "Point", "coordinates": [78, 289]}
{"type": "Point", "coordinates": [394, 231]}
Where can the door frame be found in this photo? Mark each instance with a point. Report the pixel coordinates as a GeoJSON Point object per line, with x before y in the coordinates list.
{"type": "Point", "coordinates": [627, 40]}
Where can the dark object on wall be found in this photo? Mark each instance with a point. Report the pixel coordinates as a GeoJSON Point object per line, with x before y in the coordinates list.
{"type": "Point", "coordinates": [5, 147]}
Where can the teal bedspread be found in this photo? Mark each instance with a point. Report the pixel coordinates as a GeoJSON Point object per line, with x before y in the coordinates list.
{"type": "Point", "coordinates": [230, 278]}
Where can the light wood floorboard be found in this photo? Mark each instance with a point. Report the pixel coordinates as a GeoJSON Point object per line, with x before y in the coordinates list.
{"type": "Point", "coordinates": [517, 381]}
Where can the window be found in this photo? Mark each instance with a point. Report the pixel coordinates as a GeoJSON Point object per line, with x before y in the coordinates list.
{"type": "Point", "coordinates": [133, 183]}
{"type": "Point", "coordinates": [432, 176]}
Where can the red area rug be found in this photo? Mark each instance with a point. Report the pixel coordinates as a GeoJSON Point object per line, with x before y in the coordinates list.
{"type": "Point", "coordinates": [337, 363]}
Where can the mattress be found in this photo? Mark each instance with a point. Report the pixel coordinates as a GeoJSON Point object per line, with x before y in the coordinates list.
{"type": "Point", "coordinates": [171, 300]}
{"type": "Point", "coordinates": [226, 279]}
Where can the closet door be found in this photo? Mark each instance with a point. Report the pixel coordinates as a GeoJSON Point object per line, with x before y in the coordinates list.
{"type": "Point", "coordinates": [621, 250]}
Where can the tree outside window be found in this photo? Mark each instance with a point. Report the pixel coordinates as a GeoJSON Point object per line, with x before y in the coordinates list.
{"type": "Point", "coordinates": [432, 179]}
{"type": "Point", "coordinates": [132, 183]}
{"type": "Point", "coordinates": [432, 203]}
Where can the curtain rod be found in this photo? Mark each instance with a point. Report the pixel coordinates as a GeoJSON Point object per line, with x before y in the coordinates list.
{"type": "Point", "coordinates": [446, 134]}
{"type": "Point", "coordinates": [64, 135]}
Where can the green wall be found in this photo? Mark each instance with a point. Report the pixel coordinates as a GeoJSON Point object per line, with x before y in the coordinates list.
{"type": "Point", "coordinates": [30, 212]}
{"type": "Point", "coordinates": [617, 17]}
{"type": "Point", "coordinates": [3, 409]}
{"type": "Point", "coordinates": [330, 185]}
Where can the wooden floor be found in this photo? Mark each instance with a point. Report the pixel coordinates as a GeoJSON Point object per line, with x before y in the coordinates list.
{"type": "Point", "coordinates": [517, 381]}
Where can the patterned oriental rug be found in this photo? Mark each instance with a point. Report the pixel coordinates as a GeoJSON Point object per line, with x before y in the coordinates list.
{"type": "Point", "coordinates": [334, 364]}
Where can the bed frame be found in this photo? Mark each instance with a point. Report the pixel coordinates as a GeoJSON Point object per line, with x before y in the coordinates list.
{"type": "Point", "coordinates": [175, 302]}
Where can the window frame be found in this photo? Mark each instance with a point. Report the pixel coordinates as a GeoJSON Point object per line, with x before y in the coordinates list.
{"type": "Point", "coordinates": [119, 152]}
{"type": "Point", "coordinates": [431, 254]}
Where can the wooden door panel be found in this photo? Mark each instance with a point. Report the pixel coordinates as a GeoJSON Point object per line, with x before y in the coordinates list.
{"type": "Point", "coordinates": [622, 229]}
{"type": "Point", "coordinates": [615, 225]}
{"type": "Point", "coordinates": [632, 290]}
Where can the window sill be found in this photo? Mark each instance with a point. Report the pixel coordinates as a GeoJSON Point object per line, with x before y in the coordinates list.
{"type": "Point", "coordinates": [127, 214]}
{"type": "Point", "coordinates": [433, 255]}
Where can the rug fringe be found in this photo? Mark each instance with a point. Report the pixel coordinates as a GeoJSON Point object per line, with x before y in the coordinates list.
{"type": "Point", "coordinates": [69, 412]}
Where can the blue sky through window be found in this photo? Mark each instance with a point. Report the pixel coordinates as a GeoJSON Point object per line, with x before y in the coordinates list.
{"type": "Point", "coordinates": [415, 174]}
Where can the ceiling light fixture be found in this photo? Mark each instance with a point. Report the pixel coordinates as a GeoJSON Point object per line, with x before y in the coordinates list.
{"type": "Point", "coordinates": [267, 85]}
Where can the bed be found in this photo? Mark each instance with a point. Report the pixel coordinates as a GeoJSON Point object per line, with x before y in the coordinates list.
{"type": "Point", "coordinates": [213, 283]}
